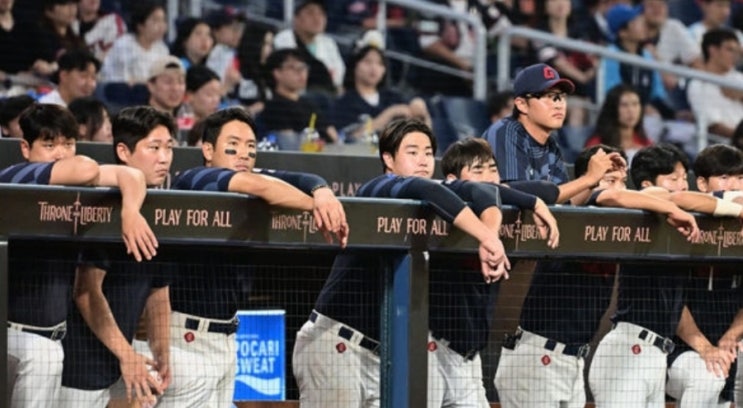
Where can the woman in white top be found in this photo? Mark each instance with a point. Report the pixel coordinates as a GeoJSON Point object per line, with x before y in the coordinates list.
{"type": "Point", "coordinates": [130, 57]}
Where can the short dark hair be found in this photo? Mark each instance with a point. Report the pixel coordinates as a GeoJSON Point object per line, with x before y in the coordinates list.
{"type": "Point", "coordinates": [88, 111]}
{"type": "Point", "coordinates": [277, 59]}
{"type": "Point", "coordinates": [134, 123]}
{"type": "Point", "coordinates": [392, 135]}
{"type": "Point", "coordinates": [718, 159]}
{"type": "Point", "coordinates": [47, 121]}
{"type": "Point", "coordinates": [13, 106]}
{"type": "Point", "coordinates": [464, 153]}
{"type": "Point", "coordinates": [715, 37]}
{"type": "Point", "coordinates": [214, 122]}
{"type": "Point", "coordinates": [198, 76]}
{"type": "Point", "coordinates": [349, 80]}
{"type": "Point", "coordinates": [141, 11]}
{"type": "Point", "coordinates": [76, 59]}
{"type": "Point", "coordinates": [580, 166]}
{"type": "Point", "coordinates": [653, 161]}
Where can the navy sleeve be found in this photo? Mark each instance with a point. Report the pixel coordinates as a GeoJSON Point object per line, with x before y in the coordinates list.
{"type": "Point", "coordinates": [510, 196]}
{"type": "Point", "coordinates": [27, 173]}
{"type": "Point", "coordinates": [545, 190]}
{"type": "Point", "coordinates": [444, 201]}
{"type": "Point", "coordinates": [204, 179]}
{"type": "Point", "coordinates": [306, 182]}
{"type": "Point", "coordinates": [481, 196]}
{"type": "Point", "coordinates": [594, 198]}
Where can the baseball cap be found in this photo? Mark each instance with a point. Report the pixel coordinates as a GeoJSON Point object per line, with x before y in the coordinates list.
{"type": "Point", "coordinates": [538, 78]}
{"type": "Point", "coordinates": [620, 15]}
{"type": "Point", "coordinates": [163, 64]}
{"type": "Point", "coordinates": [300, 4]}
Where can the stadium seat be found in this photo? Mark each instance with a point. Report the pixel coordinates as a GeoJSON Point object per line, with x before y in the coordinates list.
{"type": "Point", "coordinates": [118, 95]}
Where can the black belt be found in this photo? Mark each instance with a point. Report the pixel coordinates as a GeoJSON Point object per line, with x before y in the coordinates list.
{"type": "Point", "coordinates": [52, 334]}
{"type": "Point", "coordinates": [574, 350]}
{"type": "Point", "coordinates": [213, 327]}
{"type": "Point", "coordinates": [665, 344]}
{"type": "Point", "coordinates": [347, 333]}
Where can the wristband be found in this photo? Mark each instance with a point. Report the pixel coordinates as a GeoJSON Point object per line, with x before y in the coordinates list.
{"type": "Point", "coordinates": [317, 188]}
{"type": "Point", "coordinates": [725, 208]}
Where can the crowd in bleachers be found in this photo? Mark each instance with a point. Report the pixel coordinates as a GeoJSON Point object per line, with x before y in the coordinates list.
{"type": "Point", "coordinates": [329, 68]}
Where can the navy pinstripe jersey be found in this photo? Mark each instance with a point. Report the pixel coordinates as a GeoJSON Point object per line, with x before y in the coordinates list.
{"type": "Point", "coordinates": [27, 173]}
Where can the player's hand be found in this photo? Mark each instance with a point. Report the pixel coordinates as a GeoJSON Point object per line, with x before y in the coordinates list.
{"type": "Point", "coordinates": [139, 383]}
{"type": "Point", "coordinates": [717, 360]}
{"type": "Point", "coordinates": [493, 260]}
{"type": "Point", "coordinates": [546, 224]}
{"type": "Point", "coordinates": [163, 370]}
{"type": "Point", "coordinates": [601, 162]}
{"type": "Point", "coordinates": [730, 343]}
{"type": "Point", "coordinates": [138, 237]}
{"type": "Point", "coordinates": [684, 223]}
{"type": "Point", "coordinates": [330, 217]}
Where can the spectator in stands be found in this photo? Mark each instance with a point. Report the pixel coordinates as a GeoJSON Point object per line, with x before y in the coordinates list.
{"type": "Point", "coordinates": [449, 43]}
{"type": "Point", "coordinates": [203, 91]}
{"type": "Point", "coordinates": [721, 109]}
{"type": "Point", "coordinates": [98, 29]}
{"type": "Point", "coordinates": [288, 112]}
{"type": "Point", "coordinates": [55, 35]}
{"type": "Point", "coordinates": [619, 123]}
{"type": "Point", "coordinates": [256, 45]}
{"type": "Point", "coordinates": [320, 51]}
{"type": "Point", "coordinates": [367, 97]}
{"type": "Point", "coordinates": [93, 120]}
{"type": "Point", "coordinates": [167, 84]}
{"type": "Point", "coordinates": [594, 24]}
{"type": "Point", "coordinates": [670, 39]}
{"type": "Point", "coordinates": [10, 110]}
{"type": "Point", "coordinates": [130, 57]}
{"type": "Point", "coordinates": [227, 28]}
{"type": "Point", "coordinates": [500, 105]}
{"type": "Point", "coordinates": [193, 42]}
{"type": "Point", "coordinates": [628, 25]}
{"type": "Point", "coordinates": [76, 77]}
{"type": "Point", "coordinates": [715, 14]}
{"type": "Point", "coordinates": [18, 48]}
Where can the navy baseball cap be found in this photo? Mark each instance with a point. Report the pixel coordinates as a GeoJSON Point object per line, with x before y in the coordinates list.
{"type": "Point", "coordinates": [620, 15]}
{"type": "Point", "coordinates": [538, 78]}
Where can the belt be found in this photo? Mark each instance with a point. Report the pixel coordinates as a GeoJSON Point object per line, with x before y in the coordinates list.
{"type": "Point", "coordinates": [467, 355]}
{"type": "Point", "coordinates": [52, 333]}
{"type": "Point", "coordinates": [348, 334]}
{"type": "Point", "coordinates": [574, 350]}
{"type": "Point", "coordinates": [665, 344]}
{"type": "Point", "coordinates": [212, 326]}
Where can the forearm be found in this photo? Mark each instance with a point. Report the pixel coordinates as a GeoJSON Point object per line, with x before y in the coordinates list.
{"type": "Point", "coordinates": [492, 218]}
{"type": "Point", "coordinates": [689, 332]}
{"type": "Point", "coordinates": [468, 222]}
{"type": "Point", "coordinates": [572, 188]}
{"type": "Point", "coordinates": [131, 183]}
{"type": "Point", "coordinates": [735, 331]}
{"type": "Point", "coordinates": [272, 190]}
{"type": "Point", "coordinates": [97, 314]}
{"type": "Point", "coordinates": [158, 321]}
{"type": "Point", "coordinates": [634, 200]}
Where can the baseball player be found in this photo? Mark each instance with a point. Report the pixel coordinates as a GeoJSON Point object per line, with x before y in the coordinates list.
{"type": "Point", "coordinates": [542, 364]}
{"type": "Point", "coordinates": [39, 283]}
{"type": "Point", "coordinates": [111, 293]}
{"type": "Point", "coordinates": [206, 324]}
{"type": "Point", "coordinates": [629, 367]}
{"type": "Point", "coordinates": [701, 370]}
{"type": "Point", "coordinates": [336, 353]}
{"type": "Point", "coordinates": [460, 303]}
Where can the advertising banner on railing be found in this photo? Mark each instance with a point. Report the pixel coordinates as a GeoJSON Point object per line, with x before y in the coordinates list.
{"type": "Point", "coordinates": [261, 356]}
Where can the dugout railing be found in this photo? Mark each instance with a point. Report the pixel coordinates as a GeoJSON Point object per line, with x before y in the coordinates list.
{"type": "Point", "coordinates": [592, 234]}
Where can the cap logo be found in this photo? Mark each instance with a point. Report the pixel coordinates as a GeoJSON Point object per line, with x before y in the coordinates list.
{"type": "Point", "coordinates": [549, 73]}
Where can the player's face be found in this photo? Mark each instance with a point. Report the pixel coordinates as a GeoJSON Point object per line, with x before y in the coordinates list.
{"type": "Point", "coordinates": [414, 157]}
{"type": "Point", "coordinates": [481, 172]}
{"type": "Point", "coordinates": [675, 181]}
{"type": "Point", "coordinates": [546, 111]}
{"type": "Point", "coordinates": [48, 150]}
{"type": "Point", "coordinates": [614, 180]}
{"type": "Point", "coordinates": [723, 182]}
{"type": "Point", "coordinates": [235, 148]}
{"type": "Point", "coordinates": [152, 155]}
